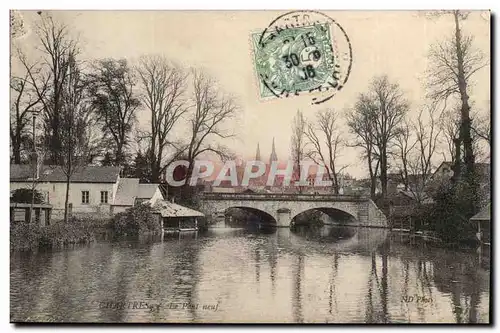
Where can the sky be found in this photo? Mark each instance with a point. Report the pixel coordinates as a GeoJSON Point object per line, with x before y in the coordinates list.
{"type": "Point", "coordinates": [395, 43]}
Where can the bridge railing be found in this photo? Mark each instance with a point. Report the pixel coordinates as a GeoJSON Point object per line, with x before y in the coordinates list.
{"type": "Point", "coordinates": [280, 197]}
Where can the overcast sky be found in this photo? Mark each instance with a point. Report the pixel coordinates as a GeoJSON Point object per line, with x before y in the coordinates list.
{"type": "Point", "coordinates": [394, 43]}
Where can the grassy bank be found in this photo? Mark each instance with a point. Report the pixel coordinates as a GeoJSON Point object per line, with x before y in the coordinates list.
{"type": "Point", "coordinates": [29, 236]}
{"type": "Point", "coordinates": [82, 230]}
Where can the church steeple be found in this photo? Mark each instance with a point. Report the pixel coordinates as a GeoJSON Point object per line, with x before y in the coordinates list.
{"type": "Point", "coordinates": [273, 156]}
{"type": "Point", "coordinates": [257, 154]}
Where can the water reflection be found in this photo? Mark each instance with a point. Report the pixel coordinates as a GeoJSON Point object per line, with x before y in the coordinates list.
{"type": "Point", "coordinates": [332, 274]}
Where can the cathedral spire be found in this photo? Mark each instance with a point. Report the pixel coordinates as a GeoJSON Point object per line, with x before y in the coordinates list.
{"type": "Point", "coordinates": [273, 157]}
{"type": "Point", "coordinates": [257, 154]}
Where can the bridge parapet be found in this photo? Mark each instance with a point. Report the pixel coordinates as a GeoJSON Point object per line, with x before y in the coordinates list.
{"type": "Point", "coordinates": [282, 197]}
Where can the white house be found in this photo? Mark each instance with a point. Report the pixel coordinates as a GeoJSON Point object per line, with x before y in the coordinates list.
{"type": "Point", "coordinates": [130, 193]}
{"type": "Point", "coordinates": [96, 190]}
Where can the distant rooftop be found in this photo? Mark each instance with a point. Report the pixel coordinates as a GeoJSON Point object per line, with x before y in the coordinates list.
{"type": "Point", "coordinates": [483, 215]}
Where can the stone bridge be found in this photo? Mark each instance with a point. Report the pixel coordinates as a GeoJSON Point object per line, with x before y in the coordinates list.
{"type": "Point", "coordinates": [361, 211]}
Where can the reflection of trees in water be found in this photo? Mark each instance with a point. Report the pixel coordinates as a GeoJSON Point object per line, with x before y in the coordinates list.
{"type": "Point", "coordinates": [69, 285]}
{"type": "Point", "coordinates": [27, 272]}
{"type": "Point", "coordinates": [332, 296]}
{"type": "Point", "coordinates": [267, 250]}
{"type": "Point", "coordinates": [385, 283]}
{"type": "Point", "coordinates": [452, 272]}
{"type": "Point", "coordinates": [378, 289]}
{"type": "Point", "coordinates": [186, 273]}
{"type": "Point", "coordinates": [463, 281]}
{"type": "Point", "coordinates": [335, 238]}
{"type": "Point", "coordinates": [257, 267]}
{"type": "Point", "coordinates": [297, 273]}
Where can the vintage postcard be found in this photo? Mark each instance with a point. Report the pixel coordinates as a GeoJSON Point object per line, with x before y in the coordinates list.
{"type": "Point", "coordinates": [293, 166]}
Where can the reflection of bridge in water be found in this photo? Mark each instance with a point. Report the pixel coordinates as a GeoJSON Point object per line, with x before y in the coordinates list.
{"type": "Point", "coordinates": [282, 208]}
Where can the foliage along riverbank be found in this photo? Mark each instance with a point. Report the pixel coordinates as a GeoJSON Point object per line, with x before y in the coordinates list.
{"type": "Point", "coordinates": [30, 236]}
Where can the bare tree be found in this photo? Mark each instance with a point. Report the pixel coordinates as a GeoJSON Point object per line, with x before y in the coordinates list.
{"type": "Point", "coordinates": [404, 144]}
{"type": "Point", "coordinates": [207, 118]}
{"type": "Point", "coordinates": [298, 143]}
{"type": "Point", "coordinates": [360, 121]}
{"type": "Point", "coordinates": [450, 126]}
{"type": "Point", "coordinates": [427, 134]}
{"type": "Point", "coordinates": [387, 107]}
{"type": "Point", "coordinates": [112, 86]}
{"type": "Point", "coordinates": [77, 118]}
{"type": "Point", "coordinates": [324, 132]}
{"type": "Point", "coordinates": [453, 63]}
{"type": "Point", "coordinates": [481, 127]}
{"type": "Point", "coordinates": [48, 77]}
{"type": "Point", "coordinates": [25, 101]}
{"type": "Point", "coordinates": [163, 93]}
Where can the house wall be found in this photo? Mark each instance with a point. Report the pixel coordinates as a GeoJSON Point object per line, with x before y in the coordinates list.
{"type": "Point", "coordinates": [55, 194]}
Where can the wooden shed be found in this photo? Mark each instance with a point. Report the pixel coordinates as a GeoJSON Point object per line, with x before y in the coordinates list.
{"type": "Point", "coordinates": [174, 217]}
{"type": "Point", "coordinates": [20, 212]}
{"type": "Point", "coordinates": [483, 220]}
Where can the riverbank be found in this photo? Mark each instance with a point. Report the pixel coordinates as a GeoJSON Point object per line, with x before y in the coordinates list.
{"type": "Point", "coordinates": [82, 229]}
{"type": "Point", "coordinates": [29, 236]}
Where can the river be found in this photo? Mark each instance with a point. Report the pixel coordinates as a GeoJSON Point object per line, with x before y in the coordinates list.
{"type": "Point", "coordinates": [322, 275]}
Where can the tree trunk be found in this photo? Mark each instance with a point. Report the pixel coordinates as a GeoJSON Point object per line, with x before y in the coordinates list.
{"type": "Point", "coordinates": [457, 161]}
{"type": "Point", "coordinates": [373, 180]}
{"type": "Point", "coordinates": [383, 171]}
{"type": "Point", "coordinates": [335, 183]}
{"type": "Point", "coordinates": [16, 149]}
{"type": "Point", "coordinates": [66, 200]}
{"type": "Point", "coordinates": [119, 154]}
{"type": "Point", "coordinates": [405, 172]}
{"type": "Point", "coordinates": [465, 126]}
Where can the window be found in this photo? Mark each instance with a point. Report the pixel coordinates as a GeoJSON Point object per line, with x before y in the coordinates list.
{"type": "Point", "coordinates": [85, 197]}
{"type": "Point", "coordinates": [104, 197]}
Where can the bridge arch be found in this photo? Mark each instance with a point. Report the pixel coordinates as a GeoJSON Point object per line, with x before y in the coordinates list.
{"type": "Point", "coordinates": [259, 214]}
{"type": "Point", "coordinates": [338, 215]}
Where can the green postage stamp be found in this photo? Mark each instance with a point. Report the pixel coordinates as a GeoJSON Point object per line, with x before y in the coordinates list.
{"type": "Point", "coordinates": [299, 54]}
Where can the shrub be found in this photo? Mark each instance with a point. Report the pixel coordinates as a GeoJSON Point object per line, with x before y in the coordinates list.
{"type": "Point", "coordinates": [24, 195]}
{"type": "Point", "coordinates": [449, 215]}
{"type": "Point", "coordinates": [25, 236]}
{"type": "Point", "coordinates": [136, 220]}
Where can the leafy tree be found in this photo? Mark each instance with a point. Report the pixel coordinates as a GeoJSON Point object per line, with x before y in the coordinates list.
{"type": "Point", "coordinates": [26, 195]}
{"type": "Point", "coordinates": [112, 87]}
{"type": "Point", "coordinates": [135, 220]}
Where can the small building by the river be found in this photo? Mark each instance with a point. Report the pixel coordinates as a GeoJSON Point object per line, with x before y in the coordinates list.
{"type": "Point", "coordinates": [20, 212]}
{"type": "Point", "coordinates": [483, 222]}
{"type": "Point", "coordinates": [172, 216]}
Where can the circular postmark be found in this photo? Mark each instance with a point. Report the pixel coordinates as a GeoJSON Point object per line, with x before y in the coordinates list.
{"type": "Point", "coordinates": [302, 52]}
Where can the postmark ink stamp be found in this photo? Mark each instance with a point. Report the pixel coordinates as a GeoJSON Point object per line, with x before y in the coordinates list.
{"type": "Point", "coordinates": [302, 52]}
